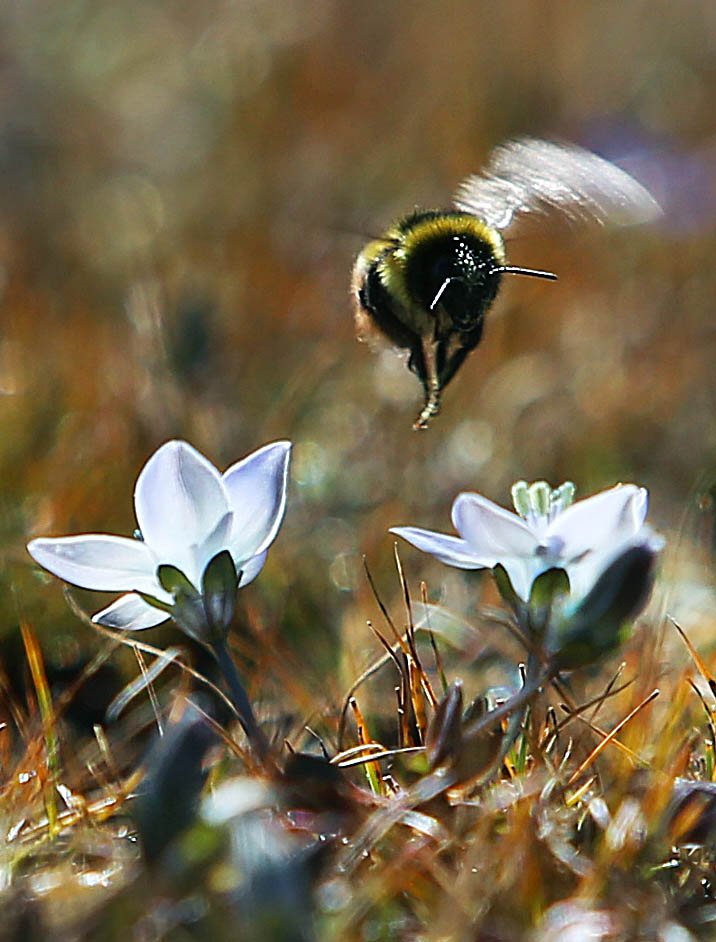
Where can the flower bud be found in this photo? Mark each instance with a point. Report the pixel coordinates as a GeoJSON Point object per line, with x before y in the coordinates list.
{"type": "Point", "coordinates": [444, 734]}
{"type": "Point", "coordinates": [602, 618]}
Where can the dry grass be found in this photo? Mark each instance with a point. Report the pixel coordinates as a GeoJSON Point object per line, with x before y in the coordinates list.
{"type": "Point", "coordinates": [390, 829]}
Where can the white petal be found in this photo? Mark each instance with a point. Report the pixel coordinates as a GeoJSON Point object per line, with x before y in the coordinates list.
{"type": "Point", "coordinates": [130, 613]}
{"type": "Point", "coordinates": [215, 542]}
{"type": "Point", "coordinates": [523, 572]}
{"type": "Point", "coordinates": [450, 550]}
{"type": "Point", "coordinates": [98, 561]}
{"type": "Point", "coordinates": [490, 529]}
{"type": "Point", "coordinates": [179, 500]}
{"type": "Point", "coordinates": [639, 508]}
{"type": "Point", "coordinates": [257, 494]}
{"type": "Point", "coordinates": [584, 573]}
{"type": "Point", "coordinates": [251, 568]}
{"type": "Point", "coordinates": [600, 521]}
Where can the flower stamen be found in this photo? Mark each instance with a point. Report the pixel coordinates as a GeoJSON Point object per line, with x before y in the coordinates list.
{"type": "Point", "coordinates": [538, 503]}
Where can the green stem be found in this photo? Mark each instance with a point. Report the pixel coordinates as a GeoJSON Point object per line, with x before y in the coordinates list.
{"type": "Point", "coordinates": [533, 682]}
{"type": "Point", "coordinates": [240, 698]}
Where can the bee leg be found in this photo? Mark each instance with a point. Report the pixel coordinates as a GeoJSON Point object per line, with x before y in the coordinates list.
{"type": "Point", "coordinates": [461, 345]}
{"type": "Point", "coordinates": [415, 361]}
{"type": "Point", "coordinates": [453, 364]}
{"type": "Point", "coordinates": [431, 383]}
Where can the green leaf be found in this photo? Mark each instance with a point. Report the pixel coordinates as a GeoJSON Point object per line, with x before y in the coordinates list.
{"type": "Point", "coordinates": [452, 628]}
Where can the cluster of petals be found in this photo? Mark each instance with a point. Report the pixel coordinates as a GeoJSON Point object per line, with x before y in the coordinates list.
{"type": "Point", "coordinates": [187, 512]}
{"type": "Point", "coordinates": [582, 539]}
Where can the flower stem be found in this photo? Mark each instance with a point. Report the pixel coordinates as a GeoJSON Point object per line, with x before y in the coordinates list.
{"type": "Point", "coordinates": [239, 698]}
{"type": "Point", "coordinates": [523, 696]}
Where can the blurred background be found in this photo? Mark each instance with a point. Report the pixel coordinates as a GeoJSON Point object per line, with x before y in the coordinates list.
{"type": "Point", "coordinates": [183, 190]}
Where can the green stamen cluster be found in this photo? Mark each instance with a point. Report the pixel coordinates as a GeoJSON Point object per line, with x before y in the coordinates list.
{"type": "Point", "coordinates": [540, 500]}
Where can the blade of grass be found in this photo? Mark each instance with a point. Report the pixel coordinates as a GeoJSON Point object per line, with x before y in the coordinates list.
{"type": "Point", "coordinates": [44, 700]}
{"type": "Point", "coordinates": [698, 660]}
{"type": "Point", "coordinates": [149, 686]}
{"type": "Point", "coordinates": [372, 769]}
{"type": "Point", "coordinates": [436, 653]}
{"type": "Point", "coordinates": [401, 665]}
{"type": "Point", "coordinates": [709, 719]}
{"type": "Point", "coordinates": [422, 678]}
{"type": "Point", "coordinates": [610, 737]}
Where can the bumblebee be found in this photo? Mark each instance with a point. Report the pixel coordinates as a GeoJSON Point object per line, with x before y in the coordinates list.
{"type": "Point", "coordinates": [426, 284]}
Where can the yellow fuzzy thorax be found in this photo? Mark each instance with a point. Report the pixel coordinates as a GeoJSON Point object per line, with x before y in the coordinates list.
{"type": "Point", "coordinates": [403, 239]}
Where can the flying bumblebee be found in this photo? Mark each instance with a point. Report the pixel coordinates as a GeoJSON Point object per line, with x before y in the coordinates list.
{"type": "Point", "coordinates": [428, 281]}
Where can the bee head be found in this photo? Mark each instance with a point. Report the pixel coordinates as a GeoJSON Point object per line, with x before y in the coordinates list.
{"type": "Point", "coordinates": [451, 267]}
{"type": "Point", "coordinates": [462, 298]}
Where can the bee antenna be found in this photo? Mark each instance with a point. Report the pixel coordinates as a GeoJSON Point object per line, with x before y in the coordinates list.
{"type": "Point", "coordinates": [442, 288]}
{"type": "Point", "coordinates": [513, 270]}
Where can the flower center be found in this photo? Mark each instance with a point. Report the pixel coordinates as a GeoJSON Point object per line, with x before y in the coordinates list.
{"type": "Point", "coordinates": [550, 550]}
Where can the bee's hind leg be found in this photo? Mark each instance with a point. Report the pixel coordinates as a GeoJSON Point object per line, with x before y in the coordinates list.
{"type": "Point", "coordinates": [428, 360]}
{"type": "Point", "coordinates": [456, 349]}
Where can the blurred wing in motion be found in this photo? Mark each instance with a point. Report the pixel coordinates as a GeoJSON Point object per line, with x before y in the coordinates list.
{"type": "Point", "coordinates": [533, 176]}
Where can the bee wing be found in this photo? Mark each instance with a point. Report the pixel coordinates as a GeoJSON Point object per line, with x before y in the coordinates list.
{"type": "Point", "coordinates": [532, 176]}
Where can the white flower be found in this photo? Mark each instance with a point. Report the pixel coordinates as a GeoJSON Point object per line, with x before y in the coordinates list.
{"type": "Point", "coordinates": [187, 513]}
{"type": "Point", "coordinates": [549, 531]}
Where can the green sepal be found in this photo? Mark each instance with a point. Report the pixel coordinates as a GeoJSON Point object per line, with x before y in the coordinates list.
{"type": "Point", "coordinates": [155, 603]}
{"type": "Point", "coordinates": [173, 581]}
{"type": "Point", "coordinates": [548, 588]}
{"type": "Point", "coordinates": [219, 584]}
{"type": "Point", "coordinates": [188, 608]}
{"type": "Point", "coordinates": [509, 596]}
